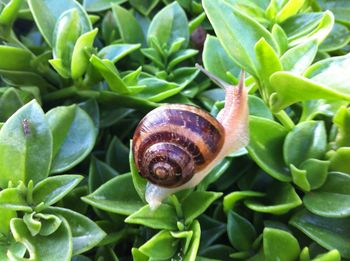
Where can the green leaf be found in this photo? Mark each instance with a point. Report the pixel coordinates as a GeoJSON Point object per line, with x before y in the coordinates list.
{"type": "Point", "coordinates": [13, 199]}
{"type": "Point", "coordinates": [339, 8]}
{"type": "Point", "coordinates": [57, 246]}
{"type": "Point", "coordinates": [168, 26]}
{"type": "Point", "coordinates": [241, 232]}
{"type": "Point", "coordinates": [280, 198]}
{"type": "Point", "coordinates": [338, 38]}
{"type": "Point", "coordinates": [238, 43]}
{"type": "Point", "coordinates": [342, 121]}
{"type": "Point", "coordinates": [123, 200]}
{"type": "Point", "coordinates": [139, 182]}
{"type": "Point", "coordinates": [267, 63]}
{"type": "Point", "coordinates": [330, 233]}
{"type": "Point", "coordinates": [306, 140]}
{"type": "Point", "coordinates": [339, 160]}
{"type": "Point", "coordinates": [289, 9]}
{"type": "Point", "coordinates": [107, 69]}
{"type": "Point", "coordinates": [129, 28]}
{"type": "Point", "coordinates": [332, 255]}
{"type": "Point", "coordinates": [192, 252]}
{"type": "Point", "coordinates": [115, 52]}
{"type": "Point", "coordinates": [144, 6]}
{"type": "Point", "coordinates": [163, 217]}
{"type": "Point", "coordinates": [10, 11]}
{"type": "Point", "coordinates": [17, 59]}
{"type": "Point", "coordinates": [47, 12]}
{"type": "Point", "coordinates": [319, 33]}
{"type": "Point", "coordinates": [73, 136]}
{"type": "Point", "coordinates": [280, 37]}
{"type": "Point", "coordinates": [300, 57]}
{"type": "Point", "coordinates": [266, 147]}
{"type": "Point", "coordinates": [100, 5]}
{"type": "Point", "coordinates": [217, 61]}
{"type": "Point", "coordinates": [280, 245]}
{"type": "Point", "coordinates": [10, 102]}
{"type": "Point", "coordinates": [160, 246]}
{"type": "Point", "coordinates": [5, 218]}
{"type": "Point", "coordinates": [85, 233]}
{"type": "Point", "coordinates": [52, 189]}
{"type": "Point", "coordinates": [66, 33]}
{"type": "Point", "coordinates": [80, 59]}
{"type": "Point", "coordinates": [196, 203]}
{"type": "Point", "coordinates": [332, 199]}
{"type": "Point", "coordinates": [258, 108]}
{"type": "Point", "coordinates": [118, 155]}
{"type": "Point", "coordinates": [99, 173]}
{"type": "Point", "coordinates": [231, 199]}
{"type": "Point", "coordinates": [291, 89]}
{"type": "Point", "coordinates": [25, 142]}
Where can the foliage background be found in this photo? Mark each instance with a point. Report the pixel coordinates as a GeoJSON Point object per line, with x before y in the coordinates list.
{"type": "Point", "coordinates": [77, 77]}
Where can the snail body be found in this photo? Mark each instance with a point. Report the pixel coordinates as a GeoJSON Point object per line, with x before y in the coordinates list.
{"type": "Point", "coordinates": [175, 146]}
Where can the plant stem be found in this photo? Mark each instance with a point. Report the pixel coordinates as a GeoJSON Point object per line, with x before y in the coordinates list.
{"type": "Point", "coordinates": [60, 94]}
{"type": "Point", "coordinates": [286, 121]}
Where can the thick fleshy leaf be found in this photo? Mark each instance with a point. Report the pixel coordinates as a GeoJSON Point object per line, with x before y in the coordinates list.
{"type": "Point", "coordinates": [280, 245]}
{"type": "Point", "coordinates": [163, 217]}
{"type": "Point", "coordinates": [216, 60]}
{"type": "Point", "coordinates": [80, 59]}
{"type": "Point", "coordinates": [13, 199]}
{"type": "Point", "coordinates": [10, 102]}
{"type": "Point", "coordinates": [115, 52]}
{"type": "Point", "coordinates": [340, 160]}
{"type": "Point", "coordinates": [280, 198]}
{"type": "Point", "coordinates": [100, 5]}
{"type": "Point", "coordinates": [267, 63]}
{"type": "Point", "coordinates": [107, 69]}
{"type": "Point", "coordinates": [117, 155]}
{"type": "Point", "coordinates": [139, 182]}
{"type": "Point", "coordinates": [319, 33]}
{"type": "Point", "coordinates": [291, 88]}
{"type": "Point", "coordinates": [266, 147]}
{"type": "Point", "coordinates": [123, 200]}
{"type": "Point", "coordinates": [331, 233]}
{"type": "Point", "coordinates": [47, 12]}
{"type": "Point", "coordinates": [290, 9]}
{"type": "Point", "coordinates": [337, 39]}
{"type": "Point", "coordinates": [85, 233]}
{"type": "Point", "coordinates": [241, 232]}
{"type": "Point", "coordinates": [74, 136]}
{"type": "Point", "coordinates": [129, 28]}
{"type": "Point", "coordinates": [168, 26]}
{"type": "Point", "coordinates": [18, 59]}
{"type": "Point", "coordinates": [52, 189]}
{"type": "Point", "coordinates": [300, 57]}
{"type": "Point", "coordinates": [99, 173]}
{"type": "Point", "coordinates": [306, 140]}
{"type": "Point", "coordinates": [238, 43]}
{"type": "Point", "coordinates": [212, 229]}
{"type": "Point", "coordinates": [57, 246]}
{"type": "Point", "coordinates": [25, 142]}
{"type": "Point", "coordinates": [196, 203]}
{"type": "Point", "coordinates": [191, 254]}
{"type": "Point", "coordinates": [342, 121]}
{"type": "Point", "coordinates": [313, 108]}
{"type": "Point", "coordinates": [160, 246]}
{"type": "Point", "coordinates": [144, 6]}
{"type": "Point", "coordinates": [231, 199]}
{"type": "Point", "coordinates": [5, 218]}
{"type": "Point", "coordinates": [332, 199]}
{"type": "Point", "coordinates": [339, 8]}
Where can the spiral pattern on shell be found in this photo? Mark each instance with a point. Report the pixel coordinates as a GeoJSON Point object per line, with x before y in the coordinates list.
{"type": "Point", "coordinates": [173, 142]}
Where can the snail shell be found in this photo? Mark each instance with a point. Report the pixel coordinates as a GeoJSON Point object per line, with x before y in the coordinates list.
{"type": "Point", "coordinates": [173, 142]}
{"type": "Point", "coordinates": [176, 146]}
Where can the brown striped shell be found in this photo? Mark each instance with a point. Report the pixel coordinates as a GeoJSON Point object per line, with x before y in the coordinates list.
{"type": "Point", "coordinates": [173, 142]}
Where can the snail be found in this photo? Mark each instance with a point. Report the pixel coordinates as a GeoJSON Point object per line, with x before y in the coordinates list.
{"type": "Point", "coordinates": [175, 145]}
